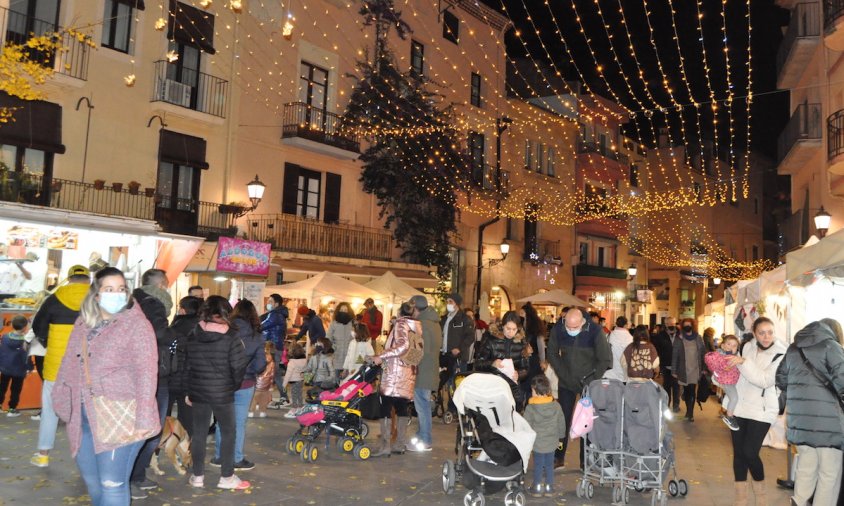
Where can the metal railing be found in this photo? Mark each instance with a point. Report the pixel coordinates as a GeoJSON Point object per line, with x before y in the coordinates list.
{"type": "Point", "coordinates": [309, 122]}
{"type": "Point", "coordinates": [594, 147]}
{"type": "Point", "coordinates": [549, 248]}
{"type": "Point", "coordinates": [296, 234]}
{"type": "Point", "coordinates": [832, 10]}
{"type": "Point", "coordinates": [71, 61]}
{"type": "Point", "coordinates": [599, 271]}
{"type": "Point", "coordinates": [189, 88]}
{"type": "Point", "coordinates": [835, 134]}
{"type": "Point", "coordinates": [805, 124]}
{"type": "Point", "coordinates": [804, 23]}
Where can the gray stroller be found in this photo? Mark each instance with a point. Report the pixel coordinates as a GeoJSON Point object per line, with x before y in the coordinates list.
{"type": "Point", "coordinates": [603, 445]}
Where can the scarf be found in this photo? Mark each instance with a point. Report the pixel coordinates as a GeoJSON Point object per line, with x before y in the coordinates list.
{"type": "Point", "coordinates": [162, 296]}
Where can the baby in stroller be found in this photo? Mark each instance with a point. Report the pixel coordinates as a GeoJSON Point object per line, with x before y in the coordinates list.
{"type": "Point", "coordinates": [494, 444]}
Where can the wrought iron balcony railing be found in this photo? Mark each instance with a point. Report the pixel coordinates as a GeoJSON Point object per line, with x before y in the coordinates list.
{"type": "Point", "coordinates": [189, 88]}
{"type": "Point", "coordinates": [312, 123]}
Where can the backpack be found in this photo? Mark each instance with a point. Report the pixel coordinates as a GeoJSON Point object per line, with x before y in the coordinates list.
{"type": "Point", "coordinates": [168, 361]}
{"type": "Point", "coordinates": [415, 348]}
{"type": "Point", "coordinates": [583, 418]}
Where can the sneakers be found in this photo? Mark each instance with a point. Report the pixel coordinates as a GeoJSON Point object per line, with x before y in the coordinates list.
{"type": "Point", "coordinates": [290, 414]}
{"type": "Point", "coordinates": [40, 460]}
{"type": "Point", "coordinates": [146, 484]}
{"type": "Point", "coordinates": [731, 422]}
{"type": "Point", "coordinates": [676, 409]}
{"type": "Point", "coordinates": [536, 490]}
{"type": "Point", "coordinates": [196, 481]}
{"type": "Point", "coordinates": [278, 404]}
{"type": "Point", "coordinates": [36, 416]}
{"type": "Point", "coordinates": [244, 465]}
{"type": "Point", "coordinates": [12, 413]}
{"type": "Point", "coordinates": [215, 462]}
{"type": "Point", "coordinates": [420, 446]}
{"type": "Point", "coordinates": [251, 415]}
{"type": "Point", "coordinates": [233, 483]}
{"type": "Point", "coordinates": [262, 414]}
{"type": "Point", "coordinates": [137, 492]}
{"type": "Point", "coordinates": [549, 491]}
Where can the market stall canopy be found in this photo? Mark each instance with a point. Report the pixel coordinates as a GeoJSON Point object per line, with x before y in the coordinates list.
{"type": "Point", "coordinates": [825, 257]}
{"type": "Point", "coordinates": [555, 298]}
{"type": "Point", "coordinates": [389, 284]}
{"type": "Point", "coordinates": [325, 284]}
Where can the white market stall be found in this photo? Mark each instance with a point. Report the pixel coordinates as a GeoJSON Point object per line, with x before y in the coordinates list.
{"type": "Point", "coordinates": [815, 275]}
{"type": "Point", "coordinates": [396, 290]}
{"type": "Point", "coordinates": [324, 288]}
{"type": "Point", "coordinates": [554, 298]}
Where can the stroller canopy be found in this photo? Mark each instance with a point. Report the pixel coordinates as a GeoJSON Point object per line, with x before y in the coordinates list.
{"type": "Point", "coordinates": [490, 395]}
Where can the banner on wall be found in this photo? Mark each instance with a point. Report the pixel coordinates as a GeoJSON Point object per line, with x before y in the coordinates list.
{"type": "Point", "coordinates": [253, 291]}
{"type": "Point", "coordinates": [239, 256]}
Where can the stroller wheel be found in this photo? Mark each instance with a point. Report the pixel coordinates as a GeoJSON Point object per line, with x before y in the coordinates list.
{"type": "Point", "coordinates": [313, 452]}
{"type": "Point", "coordinates": [617, 492]}
{"type": "Point", "coordinates": [683, 487]}
{"type": "Point", "coordinates": [579, 489]}
{"type": "Point", "coordinates": [515, 498]}
{"type": "Point", "coordinates": [298, 444]}
{"type": "Point", "coordinates": [346, 443]}
{"type": "Point", "coordinates": [362, 452]}
{"type": "Point", "coordinates": [291, 445]}
{"type": "Point", "coordinates": [448, 417]}
{"type": "Point", "coordinates": [625, 495]}
{"type": "Point", "coordinates": [364, 430]}
{"type": "Point", "coordinates": [673, 488]}
{"type": "Point", "coordinates": [590, 490]}
{"type": "Point", "coordinates": [474, 499]}
{"type": "Point", "coordinates": [305, 454]}
{"type": "Point", "coordinates": [449, 477]}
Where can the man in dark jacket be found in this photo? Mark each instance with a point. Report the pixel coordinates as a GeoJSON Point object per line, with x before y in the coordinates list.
{"type": "Point", "coordinates": [579, 353]}
{"type": "Point", "coordinates": [311, 325]}
{"type": "Point", "coordinates": [458, 333]}
{"type": "Point", "coordinates": [814, 418]}
{"type": "Point", "coordinates": [183, 324]}
{"type": "Point", "coordinates": [664, 344]}
{"type": "Point", "coordinates": [156, 304]}
{"type": "Point", "coordinates": [427, 375]}
{"type": "Point", "coordinates": [274, 327]}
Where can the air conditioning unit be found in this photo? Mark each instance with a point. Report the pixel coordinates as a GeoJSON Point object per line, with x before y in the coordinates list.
{"type": "Point", "coordinates": [175, 92]}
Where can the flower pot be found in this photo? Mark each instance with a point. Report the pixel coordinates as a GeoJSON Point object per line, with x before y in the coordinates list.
{"type": "Point", "coordinates": [56, 186]}
{"type": "Point", "coordinates": [133, 188]}
{"type": "Point", "coordinates": [99, 184]}
{"type": "Point", "coordinates": [117, 187]}
{"type": "Point", "coordinates": [149, 192]}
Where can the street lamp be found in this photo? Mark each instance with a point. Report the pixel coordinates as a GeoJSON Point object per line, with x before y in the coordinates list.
{"type": "Point", "coordinates": [716, 281]}
{"type": "Point", "coordinates": [255, 190]}
{"type": "Point", "coordinates": [631, 271]}
{"type": "Point", "coordinates": [822, 220]}
{"type": "Point", "coordinates": [505, 249]}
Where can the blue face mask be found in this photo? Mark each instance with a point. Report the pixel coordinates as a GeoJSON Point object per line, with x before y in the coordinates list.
{"type": "Point", "coordinates": [112, 302]}
{"type": "Point", "coordinates": [572, 333]}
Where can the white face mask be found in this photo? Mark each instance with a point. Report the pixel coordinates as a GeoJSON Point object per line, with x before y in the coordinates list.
{"type": "Point", "coordinates": [269, 306]}
{"type": "Point", "coordinates": [450, 308]}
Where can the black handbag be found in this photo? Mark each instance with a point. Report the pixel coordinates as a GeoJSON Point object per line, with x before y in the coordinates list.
{"type": "Point", "coordinates": [704, 389]}
{"type": "Point", "coordinates": [371, 407]}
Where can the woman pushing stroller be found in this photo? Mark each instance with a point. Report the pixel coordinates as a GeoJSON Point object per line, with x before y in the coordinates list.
{"type": "Point", "coordinates": [502, 343]}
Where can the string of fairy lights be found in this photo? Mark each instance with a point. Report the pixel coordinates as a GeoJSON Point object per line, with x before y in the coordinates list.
{"type": "Point", "coordinates": [560, 204]}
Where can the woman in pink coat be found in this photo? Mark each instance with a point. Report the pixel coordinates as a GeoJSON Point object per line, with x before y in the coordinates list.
{"type": "Point", "coordinates": [398, 379]}
{"type": "Point", "coordinates": [122, 369]}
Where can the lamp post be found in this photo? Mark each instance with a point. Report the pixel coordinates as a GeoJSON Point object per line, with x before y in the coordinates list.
{"type": "Point", "coordinates": [822, 221]}
{"type": "Point", "coordinates": [255, 190]}
{"type": "Point", "coordinates": [716, 281]}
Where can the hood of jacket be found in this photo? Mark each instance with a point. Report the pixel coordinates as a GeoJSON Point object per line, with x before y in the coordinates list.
{"type": "Point", "coordinates": [72, 295]}
{"type": "Point", "coordinates": [212, 332]}
{"type": "Point", "coordinates": [814, 333]}
{"type": "Point", "coordinates": [429, 314]}
{"type": "Point", "coordinates": [160, 295]}
{"type": "Point", "coordinates": [620, 335]}
{"type": "Point", "coordinates": [496, 330]}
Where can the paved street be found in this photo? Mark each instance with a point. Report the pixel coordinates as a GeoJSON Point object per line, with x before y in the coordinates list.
{"type": "Point", "coordinates": [703, 451]}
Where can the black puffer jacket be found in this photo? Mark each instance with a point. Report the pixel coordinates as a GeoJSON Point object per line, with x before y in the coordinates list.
{"type": "Point", "coordinates": [156, 314]}
{"type": "Point", "coordinates": [182, 326]}
{"type": "Point", "coordinates": [216, 363]}
{"type": "Point", "coordinates": [253, 343]}
{"type": "Point", "coordinates": [814, 417]}
{"type": "Point", "coordinates": [494, 346]}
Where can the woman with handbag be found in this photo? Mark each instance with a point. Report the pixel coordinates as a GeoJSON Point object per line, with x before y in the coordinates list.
{"type": "Point", "coordinates": [398, 379]}
{"type": "Point", "coordinates": [105, 388]}
{"type": "Point", "coordinates": [812, 377]}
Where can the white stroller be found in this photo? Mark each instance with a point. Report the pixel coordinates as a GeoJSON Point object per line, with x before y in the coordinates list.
{"type": "Point", "coordinates": [494, 444]}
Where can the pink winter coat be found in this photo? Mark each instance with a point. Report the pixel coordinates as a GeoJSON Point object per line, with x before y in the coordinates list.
{"type": "Point", "coordinates": [123, 365]}
{"type": "Point", "coordinates": [397, 378]}
{"type": "Point", "coordinates": [719, 364]}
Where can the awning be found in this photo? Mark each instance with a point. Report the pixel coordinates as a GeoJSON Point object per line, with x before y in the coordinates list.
{"type": "Point", "coordinates": [363, 274]}
{"type": "Point", "coordinates": [37, 124]}
{"type": "Point", "coordinates": [76, 219]}
{"type": "Point", "coordinates": [182, 149]}
{"type": "Point", "coordinates": [191, 26]}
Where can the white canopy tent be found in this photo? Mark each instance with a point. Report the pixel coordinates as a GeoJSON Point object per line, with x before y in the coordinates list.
{"type": "Point", "coordinates": [554, 298]}
{"type": "Point", "coordinates": [390, 285]}
{"type": "Point", "coordinates": [326, 285]}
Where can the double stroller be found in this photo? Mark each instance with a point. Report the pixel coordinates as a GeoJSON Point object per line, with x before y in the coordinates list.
{"type": "Point", "coordinates": [494, 442]}
{"type": "Point", "coordinates": [630, 446]}
{"type": "Point", "coordinates": [336, 412]}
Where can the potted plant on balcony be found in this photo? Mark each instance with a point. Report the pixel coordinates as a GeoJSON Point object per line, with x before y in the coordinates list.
{"type": "Point", "coordinates": [117, 187]}
{"type": "Point", "coordinates": [56, 186]}
{"type": "Point", "coordinates": [149, 191]}
{"type": "Point", "coordinates": [232, 208]}
{"type": "Point", "coordinates": [99, 184]}
{"type": "Point", "coordinates": [134, 186]}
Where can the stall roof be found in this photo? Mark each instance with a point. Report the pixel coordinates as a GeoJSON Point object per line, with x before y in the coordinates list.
{"type": "Point", "coordinates": [325, 284]}
{"type": "Point", "coordinates": [555, 298]}
{"type": "Point", "coordinates": [413, 277]}
{"type": "Point", "coordinates": [76, 219]}
{"type": "Point", "coordinates": [389, 284]}
{"type": "Point", "coordinates": [825, 256]}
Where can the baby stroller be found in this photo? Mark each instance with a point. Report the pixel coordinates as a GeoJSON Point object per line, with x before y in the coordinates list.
{"type": "Point", "coordinates": [649, 446]}
{"type": "Point", "coordinates": [336, 412]}
{"type": "Point", "coordinates": [603, 445]}
{"type": "Point", "coordinates": [495, 442]}
{"type": "Point", "coordinates": [442, 405]}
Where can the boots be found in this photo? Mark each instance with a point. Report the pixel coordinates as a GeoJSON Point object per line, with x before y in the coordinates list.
{"type": "Point", "coordinates": [401, 435]}
{"type": "Point", "coordinates": [760, 493]}
{"type": "Point", "coordinates": [383, 439]}
{"type": "Point", "coordinates": [741, 494]}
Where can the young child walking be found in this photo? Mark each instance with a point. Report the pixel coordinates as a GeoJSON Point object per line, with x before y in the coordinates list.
{"type": "Point", "coordinates": [13, 364]}
{"type": "Point", "coordinates": [360, 347]}
{"type": "Point", "coordinates": [546, 419]}
{"type": "Point", "coordinates": [726, 375]}
{"type": "Point", "coordinates": [294, 377]}
{"type": "Point", "coordinates": [264, 384]}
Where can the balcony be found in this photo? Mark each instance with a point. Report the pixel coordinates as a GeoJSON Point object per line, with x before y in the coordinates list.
{"type": "Point", "coordinates": [800, 139]}
{"type": "Point", "coordinates": [599, 272]}
{"type": "Point", "coordinates": [833, 24]}
{"type": "Point", "coordinates": [190, 217]}
{"type": "Point", "coordinates": [594, 278]}
{"type": "Point", "coordinates": [316, 129]}
{"type": "Point", "coordinates": [835, 142]}
{"type": "Point", "coordinates": [594, 147]}
{"type": "Point", "coordinates": [71, 61]}
{"type": "Point", "coordinates": [297, 234]}
{"type": "Point", "coordinates": [611, 227]}
{"type": "Point", "coordinates": [799, 42]}
{"type": "Point", "coordinates": [189, 89]}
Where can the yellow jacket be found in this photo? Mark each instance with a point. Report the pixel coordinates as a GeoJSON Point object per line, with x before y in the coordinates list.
{"type": "Point", "coordinates": [55, 318]}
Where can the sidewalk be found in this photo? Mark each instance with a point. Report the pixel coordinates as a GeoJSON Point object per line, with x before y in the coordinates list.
{"type": "Point", "coordinates": [704, 459]}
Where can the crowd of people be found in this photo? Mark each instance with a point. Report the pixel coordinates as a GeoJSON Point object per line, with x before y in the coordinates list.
{"type": "Point", "coordinates": [114, 368]}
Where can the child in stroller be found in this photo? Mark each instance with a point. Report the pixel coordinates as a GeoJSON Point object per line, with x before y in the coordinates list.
{"type": "Point", "coordinates": [335, 412]}
{"type": "Point", "coordinates": [494, 444]}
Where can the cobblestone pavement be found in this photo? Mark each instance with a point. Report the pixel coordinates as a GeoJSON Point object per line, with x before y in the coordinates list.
{"type": "Point", "coordinates": [703, 453]}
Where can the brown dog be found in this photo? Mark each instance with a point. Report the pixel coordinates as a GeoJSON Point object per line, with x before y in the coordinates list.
{"type": "Point", "coordinates": [176, 445]}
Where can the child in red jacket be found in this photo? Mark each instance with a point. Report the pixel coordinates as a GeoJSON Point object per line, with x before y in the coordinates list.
{"type": "Point", "coordinates": [726, 375]}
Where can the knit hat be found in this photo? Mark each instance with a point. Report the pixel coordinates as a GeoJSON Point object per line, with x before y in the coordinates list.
{"type": "Point", "coordinates": [419, 302]}
{"type": "Point", "coordinates": [456, 298]}
{"type": "Point", "coordinates": [303, 310]}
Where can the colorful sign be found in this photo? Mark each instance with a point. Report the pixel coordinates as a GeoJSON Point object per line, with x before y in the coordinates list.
{"type": "Point", "coordinates": [243, 257]}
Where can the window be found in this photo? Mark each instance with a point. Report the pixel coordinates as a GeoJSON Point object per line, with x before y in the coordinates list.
{"type": "Point", "coordinates": [475, 97]}
{"type": "Point", "coordinates": [508, 230]}
{"type": "Point", "coordinates": [551, 170]}
{"type": "Point", "coordinates": [540, 156]}
{"type": "Point", "coordinates": [583, 255]}
{"type": "Point", "coordinates": [755, 252]}
{"type": "Point", "coordinates": [698, 192]}
{"type": "Point", "coordinates": [313, 85]}
{"type": "Point", "coordinates": [185, 70]}
{"type": "Point", "coordinates": [307, 194]}
{"type": "Point", "coordinates": [634, 175]}
{"type": "Point", "coordinates": [600, 257]}
{"type": "Point", "coordinates": [177, 186]}
{"type": "Point", "coordinates": [531, 235]}
{"type": "Point", "coordinates": [27, 170]}
{"type": "Point", "coordinates": [529, 154]}
{"type": "Point", "coordinates": [476, 157]}
{"type": "Point", "coordinates": [417, 58]}
{"type": "Point", "coordinates": [117, 26]}
{"type": "Point", "coordinates": [451, 27]}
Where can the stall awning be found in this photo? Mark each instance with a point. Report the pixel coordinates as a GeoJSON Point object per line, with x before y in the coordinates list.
{"type": "Point", "coordinates": [37, 124]}
{"type": "Point", "coordinates": [825, 257]}
{"type": "Point", "coordinates": [76, 219]}
{"type": "Point", "coordinates": [414, 278]}
{"type": "Point", "coordinates": [191, 26]}
{"type": "Point", "coordinates": [182, 149]}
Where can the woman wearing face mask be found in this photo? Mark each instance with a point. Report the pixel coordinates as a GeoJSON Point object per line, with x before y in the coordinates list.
{"type": "Point", "coordinates": [757, 408]}
{"type": "Point", "coordinates": [687, 364]}
{"type": "Point", "coordinates": [340, 335]}
{"type": "Point", "coordinates": [112, 358]}
{"type": "Point", "coordinates": [505, 340]}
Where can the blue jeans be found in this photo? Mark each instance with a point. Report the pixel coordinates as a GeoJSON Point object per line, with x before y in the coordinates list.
{"type": "Point", "coordinates": [279, 374]}
{"type": "Point", "coordinates": [139, 472]}
{"type": "Point", "coordinates": [422, 402]}
{"type": "Point", "coordinates": [543, 461]}
{"type": "Point", "coordinates": [49, 419]}
{"type": "Point", "coordinates": [106, 474]}
{"type": "Point", "coordinates": [242, 400]}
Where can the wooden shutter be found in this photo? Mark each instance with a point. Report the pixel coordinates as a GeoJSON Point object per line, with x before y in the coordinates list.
{"type": "Point", "coordinates": [291, 188]}
{"type": "Point", "coordinates": [332, 198]}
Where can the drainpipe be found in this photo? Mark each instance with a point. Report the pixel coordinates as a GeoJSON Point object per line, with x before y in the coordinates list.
{"type": "Point", "coordinates": [231, 122]}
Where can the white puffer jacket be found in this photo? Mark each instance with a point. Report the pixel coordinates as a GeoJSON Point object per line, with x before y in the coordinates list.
{"type": "Point", "coordinates": [757, 391]}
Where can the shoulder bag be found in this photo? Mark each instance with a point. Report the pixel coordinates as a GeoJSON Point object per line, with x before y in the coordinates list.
{"type": "Point", "coordinates": [415, 348]}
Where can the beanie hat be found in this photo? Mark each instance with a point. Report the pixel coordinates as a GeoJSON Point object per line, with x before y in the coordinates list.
{"type": "Point", "coordinates": [456, 298]}
{"type": "Point", "coordinates": [419, 302]}
{"type": "Point", "coordinates": [303, 310]}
